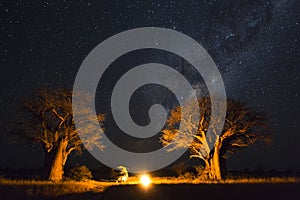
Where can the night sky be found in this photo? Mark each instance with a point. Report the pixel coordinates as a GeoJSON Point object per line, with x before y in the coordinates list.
{"type": "Point", "coordinates": [255, 44]}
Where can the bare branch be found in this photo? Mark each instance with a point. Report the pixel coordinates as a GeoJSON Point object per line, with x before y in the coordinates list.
{"type": "Point", "coordinates": [243, 127]}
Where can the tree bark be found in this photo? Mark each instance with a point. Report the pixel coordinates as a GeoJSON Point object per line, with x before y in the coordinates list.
{"type": "Point", "coordinates": [49, 157]}
{"type": "Point", "coordinates": [57, 164]}
{"type": "Point", "coordinates": [215, 165]}
{"type": "Point", "coordinates": [212, 169]}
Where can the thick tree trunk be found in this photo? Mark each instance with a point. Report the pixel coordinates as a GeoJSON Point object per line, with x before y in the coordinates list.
{"type": "Point", "coordinates": [49, 157]}
{"type": "Point", "coordinates": [212, 170]}
{"type": "Point", "coordinates": [57, 164]}
{"type": "Point", "coordinates": [215, 165]}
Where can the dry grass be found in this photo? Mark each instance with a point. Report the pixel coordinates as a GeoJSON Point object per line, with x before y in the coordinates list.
{"type": "Point", "coordinates": [48, 188]}
{"type": "Point", "coordinates": [35, 188]}
{"type": "Point", "coordinates": [274, 180]}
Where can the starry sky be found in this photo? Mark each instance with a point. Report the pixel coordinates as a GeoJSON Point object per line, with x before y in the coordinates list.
{"type": "Point", "coordinates": [255, 44]}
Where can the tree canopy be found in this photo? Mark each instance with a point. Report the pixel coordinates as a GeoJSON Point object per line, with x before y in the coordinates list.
{"type": "Point", "coordinates": [243, 127]}
{"type": "Point", "coordinates": [46, 119]}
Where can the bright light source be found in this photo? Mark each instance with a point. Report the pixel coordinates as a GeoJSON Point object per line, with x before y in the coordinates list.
{"type": "Point", "coordinates": [124, 178]}
{"type": "Point", "coordinates": [145, 180]}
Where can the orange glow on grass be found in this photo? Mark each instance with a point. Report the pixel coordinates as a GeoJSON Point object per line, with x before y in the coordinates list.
{"type": "Point", "coordinates": [145, 180]}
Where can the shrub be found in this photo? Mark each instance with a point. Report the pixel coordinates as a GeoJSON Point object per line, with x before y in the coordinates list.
{"type": "Point", "coordinates": [180, 168]}
{"type": "Point", "coordinates": [188, 175]}
{"type": "Point", "coordinates": [199, 170]}
{"type": "Point", "coordinates": [80, 173]}
{"type": "Point", "coordinates": [120, 174]}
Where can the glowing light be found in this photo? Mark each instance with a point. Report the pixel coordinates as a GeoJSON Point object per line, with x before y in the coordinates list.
{"type": "Point", "coordinates": [124, 178]}
{"type": "Point", "coordinates": [145, 180]}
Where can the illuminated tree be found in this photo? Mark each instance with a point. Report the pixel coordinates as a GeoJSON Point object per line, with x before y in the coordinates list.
{"type": "Point", "coordinates": [243, 127]}
{"type": "Point", "coordinates": [47, 120]}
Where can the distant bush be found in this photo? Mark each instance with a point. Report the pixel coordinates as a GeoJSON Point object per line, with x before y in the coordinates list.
{"type": "Point", "coordinates": [180, 168]}
{"type": "Point", "coordinates": [199, 169]}
{"type": "Point", "coordinates": [120, 174]}
{"type": "Point", "coordinates": [188, 175]}
{"type": "Point", "coordinates": [80, 173]}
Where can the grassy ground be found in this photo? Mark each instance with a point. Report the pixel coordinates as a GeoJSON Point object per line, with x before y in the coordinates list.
{"type": "Point", "coordinates": [172, 180]}
{"type": "Point", "coordinates": [25, 189]}
{"type": "Point", "coordinates": [45, 188]}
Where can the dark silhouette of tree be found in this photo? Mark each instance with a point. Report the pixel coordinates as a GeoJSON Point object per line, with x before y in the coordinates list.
{"type": "Point", "coordinates": [47, 120]}
{"type": "Point", "coordinates": [243, 127]}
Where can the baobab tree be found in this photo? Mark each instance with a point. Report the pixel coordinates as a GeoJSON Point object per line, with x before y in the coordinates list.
{"type": "Point", "coordinates": [47, 120]}
{"type": "Point", "coordinates": [243, 127]}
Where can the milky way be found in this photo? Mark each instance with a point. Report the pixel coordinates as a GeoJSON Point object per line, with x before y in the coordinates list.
{"type": "Point", "coordinates": [255, 45]}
